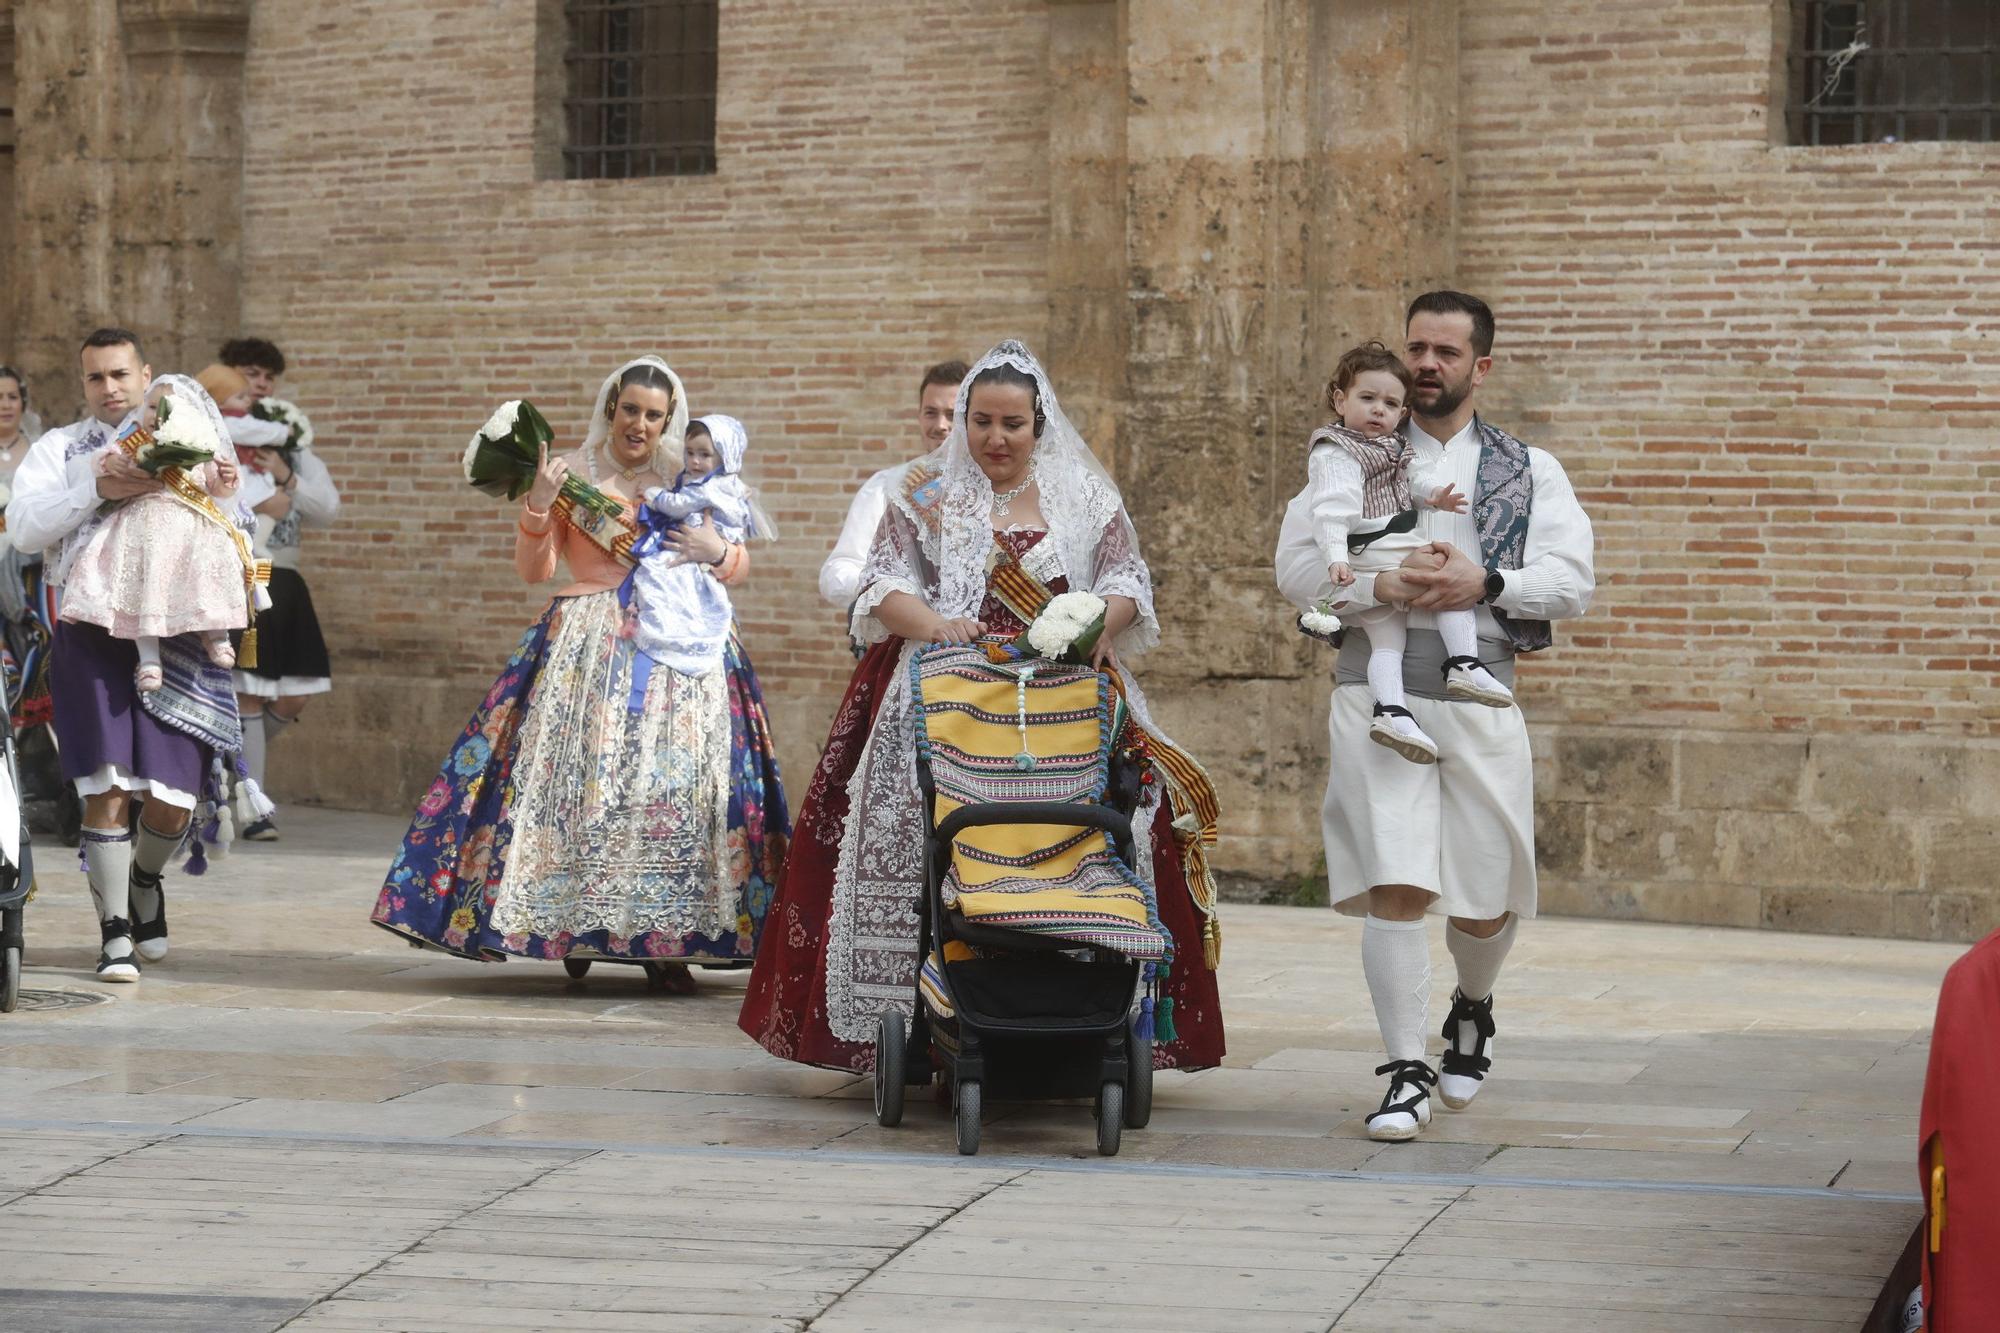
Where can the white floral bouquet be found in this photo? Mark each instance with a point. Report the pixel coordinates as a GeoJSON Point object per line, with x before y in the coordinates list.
{"type": "Point", "coordinates": [507, 452]}
{"type": "Point", "coordinates": [181, 438]}
{"type": "Point", "coordinates": [1320, 623]}
{"type": "Point", "coordinates": [1067, 630]}
{"type": "Point", "coordinates": [298, 426]}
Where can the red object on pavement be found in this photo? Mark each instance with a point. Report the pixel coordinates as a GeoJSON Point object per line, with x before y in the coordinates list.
{"type": "Point", "coordinates": [1959, 1150]}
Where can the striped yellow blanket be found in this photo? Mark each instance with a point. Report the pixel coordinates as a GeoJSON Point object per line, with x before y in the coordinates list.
{"type": "Point", "coordinates": [1030, 732]}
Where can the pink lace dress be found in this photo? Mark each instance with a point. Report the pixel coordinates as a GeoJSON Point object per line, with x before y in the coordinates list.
{"type": "Point", "coordinates": [155, 568]}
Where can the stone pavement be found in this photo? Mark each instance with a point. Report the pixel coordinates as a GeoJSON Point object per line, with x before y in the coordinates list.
{"type": "Point", "coordinates": [298, 1122]}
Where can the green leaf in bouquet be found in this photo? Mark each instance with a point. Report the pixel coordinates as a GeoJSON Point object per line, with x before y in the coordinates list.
{"type": "Point", "coordinates": [157, 457]}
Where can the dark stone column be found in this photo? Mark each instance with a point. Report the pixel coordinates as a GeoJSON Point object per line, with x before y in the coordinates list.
{"type": "Point", "coordinates": [128, 180]}
{"type": "Point", "coordinates": [1286, 183]}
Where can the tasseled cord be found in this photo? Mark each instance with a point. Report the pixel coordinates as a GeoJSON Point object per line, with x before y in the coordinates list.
{"type": "Point", "coordinates": [1156, 1011]}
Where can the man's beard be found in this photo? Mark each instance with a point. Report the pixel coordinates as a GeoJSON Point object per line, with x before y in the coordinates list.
{"type": "Point", "coordinates": [1450, 397]}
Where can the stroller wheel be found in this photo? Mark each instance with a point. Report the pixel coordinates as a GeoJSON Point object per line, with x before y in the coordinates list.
{"type": "Point", "coordinates": [1138, 1080]}
{"type": "Point", "coordinates": [577, 967]}
{"type": "Point", "coordinates": [891, 1047]}
{"type": "Point", "coordinates": [1110, 1118]}
{"type": "Point", "coordinates": [10, 978]}
{"type": "Point", "coordinates": [965, 1099]}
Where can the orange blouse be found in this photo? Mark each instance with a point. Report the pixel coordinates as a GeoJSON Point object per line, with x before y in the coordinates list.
{"type": "Point", "coordinates": [544, 540]}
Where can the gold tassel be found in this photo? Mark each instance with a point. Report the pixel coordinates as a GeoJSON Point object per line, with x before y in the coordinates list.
{"type": "Point", "coordinates": [1211, 942]}
{"type": "Point", "coordinates": [246, 655]}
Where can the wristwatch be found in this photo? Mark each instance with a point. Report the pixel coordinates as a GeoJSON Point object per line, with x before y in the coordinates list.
{"type": "Point", "coordinates": [1495, 585]}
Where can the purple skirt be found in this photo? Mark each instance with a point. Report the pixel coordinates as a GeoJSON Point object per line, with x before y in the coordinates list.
{"type": "Point", "coordinates": [98, 719]}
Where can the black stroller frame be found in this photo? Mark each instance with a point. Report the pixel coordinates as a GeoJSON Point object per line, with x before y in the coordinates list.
{"type": "Point", "coordinates": [17, 881]}
{"type": "Point", "coordinates": [1096, 1050]}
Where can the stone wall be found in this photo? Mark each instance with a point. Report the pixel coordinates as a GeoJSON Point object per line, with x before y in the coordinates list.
{"type": "Point", "coordinates": [127, 182]}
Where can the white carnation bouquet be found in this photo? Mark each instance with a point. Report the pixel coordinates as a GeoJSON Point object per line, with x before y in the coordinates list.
{"type": "Point", "coordinates": [507, 452]}
{"type": "Point", "coordinates": [1319, 622]}
{"type": "Point", "coordinates": [1067, 630]}
{"type": "Point", "coordinates": [298, 426]}
{"type": "Point", "coordinates": [181, 438]}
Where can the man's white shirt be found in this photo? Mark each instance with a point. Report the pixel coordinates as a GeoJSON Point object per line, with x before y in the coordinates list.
{"type": "Point", "coordinates": [840, 576]}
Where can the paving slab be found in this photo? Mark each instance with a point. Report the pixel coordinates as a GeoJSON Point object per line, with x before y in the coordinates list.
{"type": "Point", "coordinates": [297, 1122]}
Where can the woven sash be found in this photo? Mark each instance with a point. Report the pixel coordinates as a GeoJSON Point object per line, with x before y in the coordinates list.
{"type": "Point", "coordinates": [1053, 880]}
{"type": "Point", "coordinates": [1190, 793]}
{"type": "Point", "coordinates": [609, 531]}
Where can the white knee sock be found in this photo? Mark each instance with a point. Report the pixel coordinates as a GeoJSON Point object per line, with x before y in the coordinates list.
{"type": "Point", "coordinates": [149, 649]}
{"type": "Point", "coordinates": [1385, 678]}
{"type": "Point", "coordinates": [253, 747]}
{"type": "Point", "coordinates": [1396, 959]}
{"type": "Point", "coordinates": [107, 861]}
{"type": "Point", "coordinates": [1479, 960]}
{"type": "Point", "coordinates": [1460, 632]}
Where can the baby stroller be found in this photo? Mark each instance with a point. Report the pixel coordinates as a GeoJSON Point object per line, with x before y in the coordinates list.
{"type": "Point", "coordinates": [1038, 942]}
{"type": "Point", "coordinates": [17, 864]}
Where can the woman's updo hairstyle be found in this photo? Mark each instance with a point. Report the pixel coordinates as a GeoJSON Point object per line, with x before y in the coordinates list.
{"type": "Point", "coordinates": [647, 376]}
{"type": "Point", "coordinates": [1015, 378]}
{"type": "Point", "coordinates": [9, 373]}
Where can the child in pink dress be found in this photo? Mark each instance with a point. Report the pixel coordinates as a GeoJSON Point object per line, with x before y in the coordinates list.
{"type": "Point", "coordinates": [169, 563]}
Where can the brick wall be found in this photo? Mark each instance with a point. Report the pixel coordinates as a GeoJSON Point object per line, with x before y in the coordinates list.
{"type": "Point", "coordinates": [880, 205]}
{"type": "Point", "coordinates": [1771, 372]}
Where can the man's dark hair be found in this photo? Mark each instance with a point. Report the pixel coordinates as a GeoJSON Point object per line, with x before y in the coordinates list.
{"type": "Point", "coordinates": [259, 352]}
{"type": "Point", "coordinates": [1457, 303]}
{"type": "Point", "coordinates": [113, 337]}
{"type": "Point", "coordinates": [951, 373]}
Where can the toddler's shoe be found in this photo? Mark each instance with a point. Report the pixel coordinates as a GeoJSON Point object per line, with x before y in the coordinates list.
{"type": "Point", "coordinates": [1465, 678]}
{"type": "Point", "coordinates": [149, 677]}
{"type": "Point", "coordinates": [1396, 728]}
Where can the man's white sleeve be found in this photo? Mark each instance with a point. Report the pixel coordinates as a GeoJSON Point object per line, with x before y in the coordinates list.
{"type": "Point", "coordinates": [315, 499]}
{"type": "Point", "coordinates": [840, 576]}
{"type": "Point", "coordinates": [1558, 569]}
{"type": "Point", "coordinates": [53, 495]}
{"type": "Point", "coordinates": [1302, 574]}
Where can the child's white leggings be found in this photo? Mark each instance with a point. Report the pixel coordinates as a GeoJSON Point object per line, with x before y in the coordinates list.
{"type": "Point", "coordinates": [1389, 636]}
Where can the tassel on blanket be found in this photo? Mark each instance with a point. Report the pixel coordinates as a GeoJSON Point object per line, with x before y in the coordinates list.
{"type": "Point", "coordinates": [1144, 1030]}
{"type": "Point", "coordinates": [1167, 1034]}
{"type": "Point", "coordinates": [251, 802]}
{"type": "Point", "coordinates": [197, 859]}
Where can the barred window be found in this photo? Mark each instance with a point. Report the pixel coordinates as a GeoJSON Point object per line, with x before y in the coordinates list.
{"type": "Point", "coordinates": [1888, 71]}
{"type": "Point", "coordinates": [639, 88]}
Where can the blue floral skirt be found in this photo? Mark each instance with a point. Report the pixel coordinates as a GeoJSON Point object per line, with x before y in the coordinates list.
{"type": "Point", "coordinates": [584, 809]}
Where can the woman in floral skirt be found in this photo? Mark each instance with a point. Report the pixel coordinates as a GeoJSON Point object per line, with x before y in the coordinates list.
{"type": "Point", "coordinates": [578, 816]}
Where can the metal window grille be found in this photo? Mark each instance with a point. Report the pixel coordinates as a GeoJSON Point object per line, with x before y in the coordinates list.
{"type": "Point", "coordinates": [640, 88]}
{"type": "Point", "coordinates": [1887, 71]}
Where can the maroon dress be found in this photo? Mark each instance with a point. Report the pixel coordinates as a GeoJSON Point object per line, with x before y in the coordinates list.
{"type": "Point", "coordinates": [785, 1009]}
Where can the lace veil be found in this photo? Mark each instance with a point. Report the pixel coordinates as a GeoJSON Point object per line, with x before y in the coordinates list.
{"type": "Point", "coordinates": [187, 392]}
{"type": "Point", "coordinates": [667, 453]}
{"type": "Point", "coordinates": [1086, 517]}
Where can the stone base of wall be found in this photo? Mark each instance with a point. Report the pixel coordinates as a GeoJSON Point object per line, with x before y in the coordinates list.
{"type": "Point", "coordinates": [1848, 834]}
{"type": "Point", "coordinates": [1845, 834]}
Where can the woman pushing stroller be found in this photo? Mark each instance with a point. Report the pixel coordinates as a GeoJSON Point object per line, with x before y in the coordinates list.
{"type": "Point", "coordinates": [1014, 489]}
